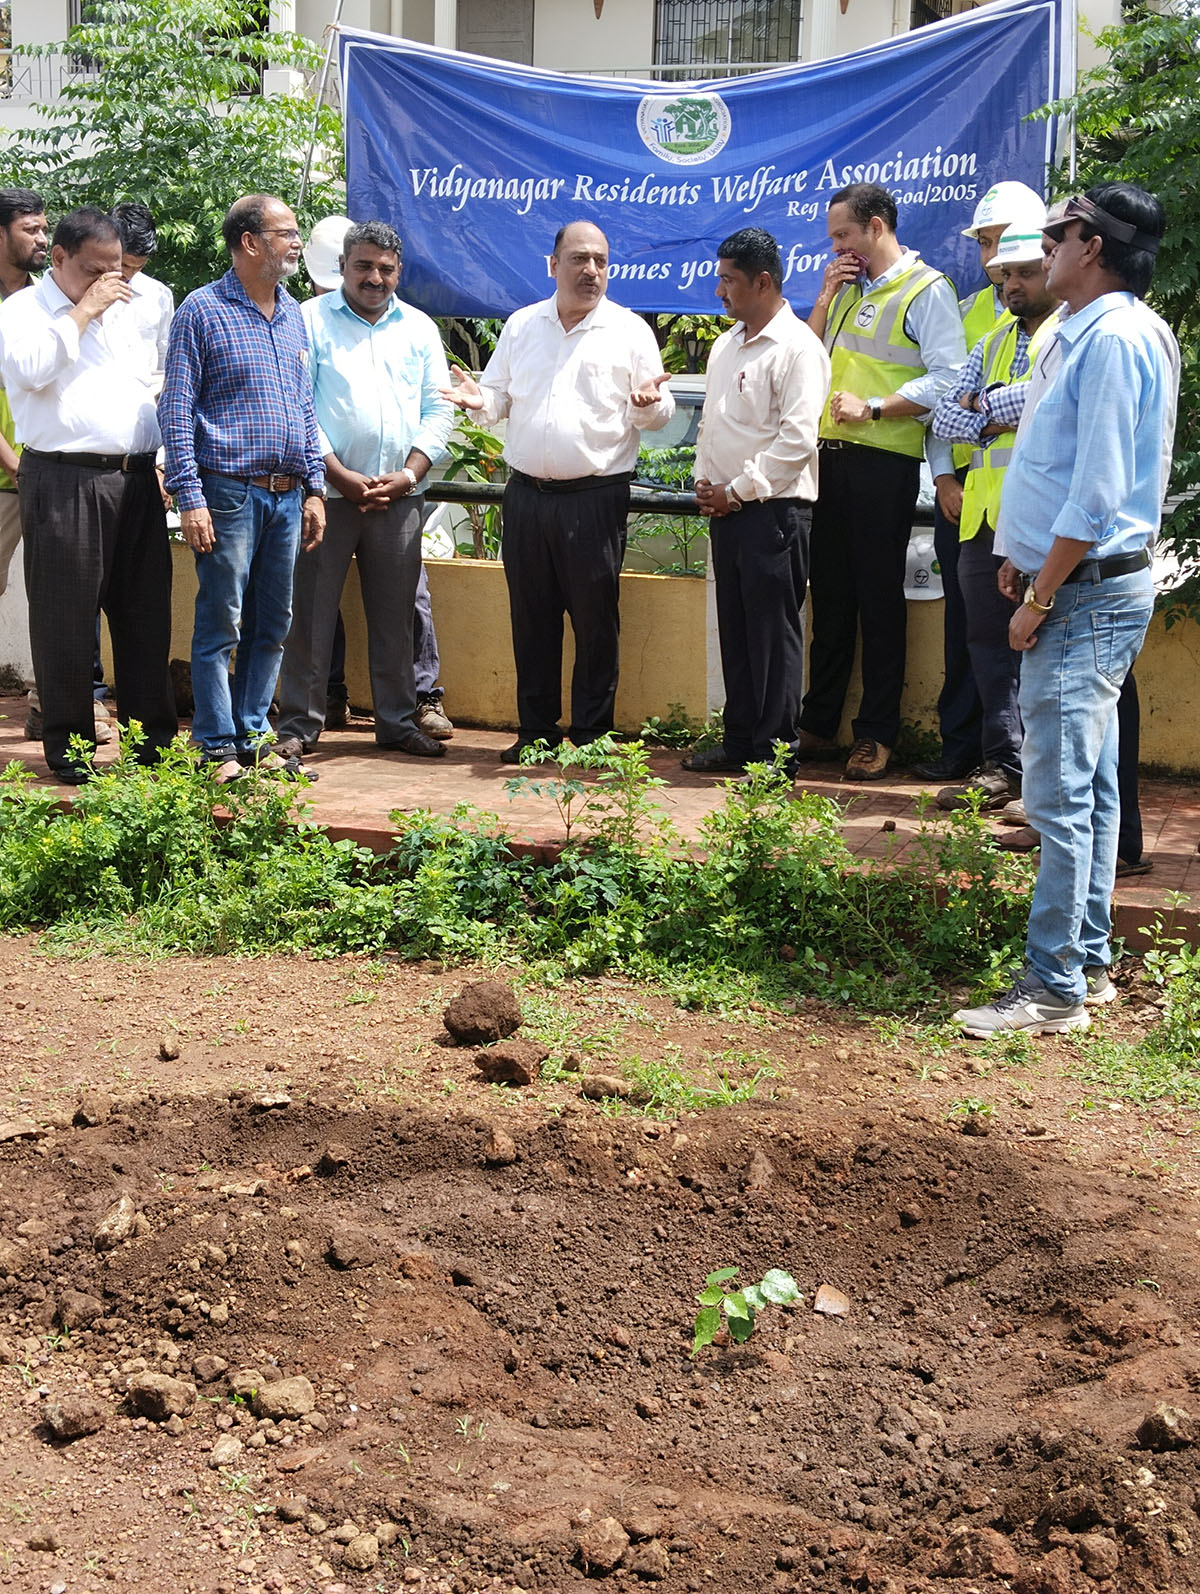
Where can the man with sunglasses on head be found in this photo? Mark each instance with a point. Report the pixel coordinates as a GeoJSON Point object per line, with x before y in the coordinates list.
{"type": "Point", "coordinates": [245, 465]}
{"type": "Point", "coordinates": [1078, 516]}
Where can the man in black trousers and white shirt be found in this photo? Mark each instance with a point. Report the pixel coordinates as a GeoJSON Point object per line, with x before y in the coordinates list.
{"type": "Point", "coordinates": [92, 516]}
{"type": "Point", "coordinates": [579, 379]}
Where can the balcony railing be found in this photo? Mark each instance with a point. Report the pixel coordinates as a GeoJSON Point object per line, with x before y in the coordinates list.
{"type": "Point", "coordinates": [693, 72]}
{"type": "Point", "coordinates": [35, 80]}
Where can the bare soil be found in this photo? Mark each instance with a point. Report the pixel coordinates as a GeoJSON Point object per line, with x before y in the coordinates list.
{"type": "Point", "coordinates": [490, 1291]}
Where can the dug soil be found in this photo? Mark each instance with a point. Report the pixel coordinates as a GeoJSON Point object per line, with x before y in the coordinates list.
{"type": "Point", "coordinates": [291, 1299]}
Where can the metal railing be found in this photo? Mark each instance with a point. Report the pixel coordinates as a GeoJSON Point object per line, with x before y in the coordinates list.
{"type": "Point", "coordinates": [35, 80]}
{"type": "Point", "coordinates": [695, 72]}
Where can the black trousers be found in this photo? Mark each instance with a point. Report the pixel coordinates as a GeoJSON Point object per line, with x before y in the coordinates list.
{"type": "Point", "coordinates": [862, 521]}
{"type": "Point", "coordinates": [562, 553]}
{"type": "Point", "coordinates": [97, 539]}
{"type": "Point", "coordinates": [996, 668]}
{"type": "Point", "coordinates": [760, 564]}
{"type": "Point", "coordinates": [1129, 735]}
{"type": "Point", "coordinates": [960, 716]}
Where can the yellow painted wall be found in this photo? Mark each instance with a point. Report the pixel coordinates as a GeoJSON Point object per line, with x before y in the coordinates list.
{"type": "Point", "coordinates": [663, 655]}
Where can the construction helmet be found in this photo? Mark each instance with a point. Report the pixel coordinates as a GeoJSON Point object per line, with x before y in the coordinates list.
{"type": "Point", "coordinates": [1005, 204]}
{"type": "Point", "coordinates": [324, 249]}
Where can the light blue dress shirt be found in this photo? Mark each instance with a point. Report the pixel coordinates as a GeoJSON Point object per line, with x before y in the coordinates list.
{"type": "Point", "coordinates": [1088, 462]}
{"type": "Point", "coordinates": [376, 386]}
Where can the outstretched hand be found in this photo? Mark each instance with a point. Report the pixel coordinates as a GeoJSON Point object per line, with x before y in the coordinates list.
{"type": "Point", "coordinates": [648, 393]}
{"type": "Point", "coordinates": [463, 390]}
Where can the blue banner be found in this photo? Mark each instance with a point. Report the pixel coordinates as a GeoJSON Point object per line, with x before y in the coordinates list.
{"type": "Point", "coordinates": [477, 163]}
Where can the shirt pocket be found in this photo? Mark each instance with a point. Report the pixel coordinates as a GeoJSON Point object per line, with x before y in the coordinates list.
{"type": "Point", "coordinates": [749, 399]}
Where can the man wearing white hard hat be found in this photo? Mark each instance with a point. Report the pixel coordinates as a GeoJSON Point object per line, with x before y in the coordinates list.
{"type": "Point", "coordinates": [959, 711]}
{"type": "Point", "coordinates": [980, 413]}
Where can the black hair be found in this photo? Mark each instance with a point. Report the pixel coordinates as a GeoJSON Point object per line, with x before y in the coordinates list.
{"type": "Point", "coordinates": [1142, 210]}
{"type": "Point", "coordinates": [866, 200]}
{"type": "Point", "coordinates": [244, 215]}
{"type": "Point", "coordinates": [81, 226]}
{"type": "Point", "coordinates": [566, 227]}
{"type": "Point", "coordinates": [753, 251]}
{"type": "Point", "coordinates": [373, 232]}
{"type": "Point", "coordinates": [16, 202]}
{"type": "Point", "coordinates": [136, 226]}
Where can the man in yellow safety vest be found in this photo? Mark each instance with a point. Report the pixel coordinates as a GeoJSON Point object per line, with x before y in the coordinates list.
{"type": "Point", "coordinates": [980, 412]}
{"type": "Point", "coordinates": [1005, 204]}
{"type": "Point", "coordinates": [894, 336]}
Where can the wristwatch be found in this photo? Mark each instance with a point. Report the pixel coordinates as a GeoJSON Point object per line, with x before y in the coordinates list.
{"type": "Point", "coordinates": [1031, 602]}
{"type": "Point", "coordinates": [876, 407]}
{"type": "Point", "coordinates": [321, 492]}
{"type": "Point", "coordinates": [405, 470]}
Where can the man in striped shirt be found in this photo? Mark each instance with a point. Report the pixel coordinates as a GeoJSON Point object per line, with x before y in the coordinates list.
{"type": "Point", "coordinates": [245, 465]}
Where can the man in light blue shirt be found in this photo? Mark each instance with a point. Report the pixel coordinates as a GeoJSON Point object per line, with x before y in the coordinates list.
{"type": "Point", "coordinates": [377, 367]}
{"type": "Point", "coordinates": [1078, 517]}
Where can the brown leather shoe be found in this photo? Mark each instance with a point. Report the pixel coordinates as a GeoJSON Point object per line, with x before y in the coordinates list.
{"type": "Point", "coordinates": [810, 746]}
{"type": "Point", "coordinates": [868, 760]}
{"type": "Point", "coordinates": [416, 744]}
{"type": "Point", "coordinates": [1024, 840]}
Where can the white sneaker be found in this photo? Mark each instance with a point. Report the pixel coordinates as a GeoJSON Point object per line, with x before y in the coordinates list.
{"type": "Point", "coordinates": [1029, 1006]}
{"type": "Point", "coordinates": [1100, 988]}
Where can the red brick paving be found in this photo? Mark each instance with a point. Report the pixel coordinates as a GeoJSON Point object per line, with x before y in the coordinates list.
{"type": "Point", "coordinates": [360, 786]}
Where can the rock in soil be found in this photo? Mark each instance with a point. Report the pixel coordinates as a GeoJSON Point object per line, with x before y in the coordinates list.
{"type": "Point", "coordinates": [362, 1552]}
{"type": "Point", "coordinates": [500, 1150]}
{"type": "Point", "coordinates": [225, 1451]}
{"type": "Point", "coordinates": [597, 1086]}
{"type": "Point", "coordinates": [979, 1552]}
{"type": "Point", "coordinates": [350, 1247]}
{"type": "Point", "coordinates": [20, 1129]}
{"type": "Point", "coordinates": [647, 1560]}
{"type": "Point", "coordinates": [1167, 1428]}
{"type": "Point", "coordinates": [159, 1397]}
{"type": "Point", "coordinates": [74, 1417]}
{"type": "Point", "coordinates": [116, 1226]}
{"type": "Point", "coordinates": [511, 1063]}
{"type": "Point", "coordinates": [830, 1302]}
{"type": "Point", "coordinates": [44, 1537]}
{"type": "Point", "coordinates": [601, 1545]}
{"type": "Point", "coordinates": [76, 1310]}
{"type": "Point", "coordinates": [484, 1012]}
{"type": "Point", "coordinates": [288, 1397]}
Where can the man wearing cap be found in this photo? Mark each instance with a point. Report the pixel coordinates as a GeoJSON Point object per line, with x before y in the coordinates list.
{"type": "Point", "coordinates": [1004, 205]}
{"type": "Point", "coordinates": [378, 440]}
{"type": "Point", "coordinates": [980, 413]}
{"type": "Point", "coordinates": [1081, 507]}
{"type": "Point", "coordinates": [579, 378]}
{"type": "Point", "coordinates": [894, 335]}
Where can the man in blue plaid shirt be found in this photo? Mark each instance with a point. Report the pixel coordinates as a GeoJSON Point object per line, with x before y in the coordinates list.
{"type": "Point", "coordinates": [244, 463]}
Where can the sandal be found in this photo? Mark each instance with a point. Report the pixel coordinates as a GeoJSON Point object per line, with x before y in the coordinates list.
{"type": "Point", "coordinates": [226, 772]}
{"type": "Point", "coordinates": [1125, 867]}
{"type": "Point", "coordinates": [712, 761]}
{"type": "Point", "coordinates": [281, 768]}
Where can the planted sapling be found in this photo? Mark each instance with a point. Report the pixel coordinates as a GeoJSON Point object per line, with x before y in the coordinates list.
{"type": "Point", "coordinates": [738, 1307]}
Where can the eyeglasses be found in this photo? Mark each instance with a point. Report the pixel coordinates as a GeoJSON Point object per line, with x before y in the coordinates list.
{"type": "Point", "coordinates": [292, 234]}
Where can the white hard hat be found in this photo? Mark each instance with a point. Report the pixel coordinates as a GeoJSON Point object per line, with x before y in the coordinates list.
{"type": "Point", "coordinates": [1019, 246]}
{"type": "Point", "coordinates": [324, 249]}
{"type": "Point", "coordinates": [1004, 205]}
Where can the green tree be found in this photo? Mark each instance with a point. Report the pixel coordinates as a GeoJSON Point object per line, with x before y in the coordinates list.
{"type": "Point", "coordinates": [1136, 119]}
{"type": "Point", "coordinates": [166, 108]}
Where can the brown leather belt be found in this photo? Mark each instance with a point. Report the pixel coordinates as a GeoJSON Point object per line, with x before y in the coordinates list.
{"type": "Point", "coordinates": [267, 484]}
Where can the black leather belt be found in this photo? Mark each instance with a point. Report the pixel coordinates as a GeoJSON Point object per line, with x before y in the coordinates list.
{"type": "Point", "coordinates": [123, 462]}
{"type": "Point", "coordinates": [573, 484]}
{"type": "Point", "coordinates": [1122, 564]}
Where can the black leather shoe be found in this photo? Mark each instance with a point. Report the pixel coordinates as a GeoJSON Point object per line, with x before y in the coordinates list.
{"type": "Point", "coordinates": [72, 774]}
{"type": "Point", "coordinates": [416, 744]}
{"type": "Point", "coordinates": [712, 761]}
{"type": "Point", "coordinates": [512, 755]}
{"type": "Point", "coordinates": [944, 769]}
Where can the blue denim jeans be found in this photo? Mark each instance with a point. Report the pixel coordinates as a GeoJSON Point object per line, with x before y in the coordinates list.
{"type": "Point", "coordinates": [1070, 683]}
{"type": "Point", "coordinates": [244, 601]}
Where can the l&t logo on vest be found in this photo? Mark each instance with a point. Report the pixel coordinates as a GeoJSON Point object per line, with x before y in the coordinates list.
{"type": "Point", "coordinates": [866, 314]}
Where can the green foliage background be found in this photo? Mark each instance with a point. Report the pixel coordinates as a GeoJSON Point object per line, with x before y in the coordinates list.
{"type": "Point", "coordinates": [172, 116]}
{"type": "Point", "coordinates": [1137, 121]}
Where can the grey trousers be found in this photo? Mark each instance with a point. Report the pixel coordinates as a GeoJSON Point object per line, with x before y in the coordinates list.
{"type": "Point", "coordinates": [387, 545]}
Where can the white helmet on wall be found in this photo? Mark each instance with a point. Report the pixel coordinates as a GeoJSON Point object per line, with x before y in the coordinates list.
{"type": "Point", "coordinates": [1004, 205]}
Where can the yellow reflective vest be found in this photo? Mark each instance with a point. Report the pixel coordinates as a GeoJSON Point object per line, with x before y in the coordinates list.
{"type": "Point", "coordinates": [871, 355]}
{"type": "Point", "coordinates": [979, 317]}
{"type": "Point", "coordinates": [985, 475]}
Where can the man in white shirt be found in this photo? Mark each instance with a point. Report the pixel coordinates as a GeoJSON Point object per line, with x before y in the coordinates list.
{"type": "Point", "coordinates": [756, 477]}
{"type": "Point", "coordinates": [22, 252]}
{"type": "Point", "coordinates": [579, 379]}
{"type": "Point", "coordinates": [92, 515]}
{"type": "Point", "coordinates": [151, 303]}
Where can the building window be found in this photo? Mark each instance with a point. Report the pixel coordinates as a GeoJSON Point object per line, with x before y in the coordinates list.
{"type": "Point", "coordinates": [713, 33]}
{"type": "Point", "coordinates": [925, 11]}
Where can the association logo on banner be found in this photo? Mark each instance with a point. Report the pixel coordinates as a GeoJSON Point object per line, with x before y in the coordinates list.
{"type": "Point", "coordinates": [684, 129]}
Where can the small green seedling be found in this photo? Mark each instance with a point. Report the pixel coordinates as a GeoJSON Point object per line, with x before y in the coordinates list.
{"type": "Point", "coordinates": [739, 1307]}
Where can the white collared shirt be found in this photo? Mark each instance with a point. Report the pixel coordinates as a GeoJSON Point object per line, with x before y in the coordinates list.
{"type": "Point", "coordinates": [762, 409]}
{"type": "Point", "coordinates": [151, 310]}
{"type": "Point", "coordinates": [567, 394]}
{"type": "Point", "coordinates": [73, 394]}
